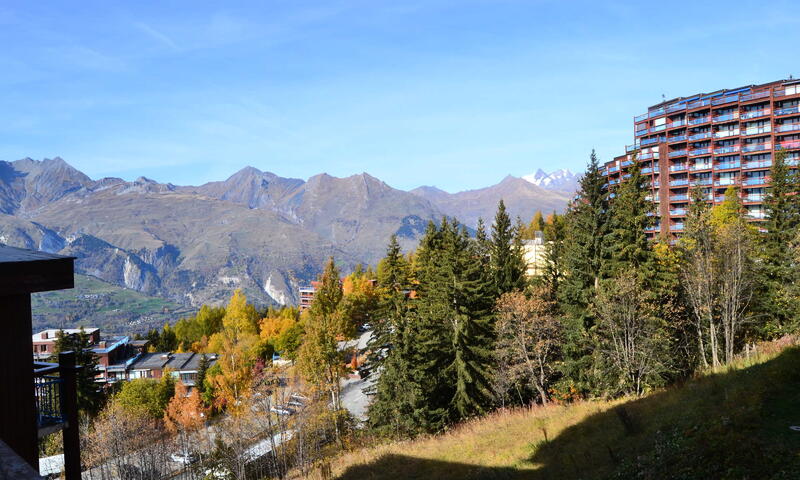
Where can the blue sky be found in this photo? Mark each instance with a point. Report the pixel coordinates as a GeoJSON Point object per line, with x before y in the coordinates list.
{"type": "Point", "coordinates": [455, 94]}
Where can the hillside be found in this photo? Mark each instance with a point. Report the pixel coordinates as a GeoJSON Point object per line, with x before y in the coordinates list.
{"type": "Point", "coordinates": [732, 424]}
{"type": "Point", "coordinates": [95, 303]}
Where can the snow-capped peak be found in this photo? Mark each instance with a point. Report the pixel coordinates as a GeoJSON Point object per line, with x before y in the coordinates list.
{"type": "Point", "coordinates": [561, 179]}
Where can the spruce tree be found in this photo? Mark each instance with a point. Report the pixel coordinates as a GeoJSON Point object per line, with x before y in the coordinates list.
{"type": "Point", "coordinates": [586, 226]}
{"type": "Point", "coordinates": [778, 276]}
{"type": "Point", "coordinates": [90, 398]}
{"type": "Point", "coordinates": [630, 214]}
{"type": "Point", "coordinates": [554, 255]}
{"type": "Point", "coordinates": [507, 261]}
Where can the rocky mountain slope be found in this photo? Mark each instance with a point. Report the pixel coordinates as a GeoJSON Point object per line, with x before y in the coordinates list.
{"type": "Point", "coordinates": [256, 230]}
{"type": "Point", "coordinates": [562, 179]}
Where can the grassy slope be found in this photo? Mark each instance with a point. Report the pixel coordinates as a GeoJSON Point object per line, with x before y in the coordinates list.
{"type": "Point", "coordinates": [732, 424]}
{"type": "Point", "coordinates": [96, 303]}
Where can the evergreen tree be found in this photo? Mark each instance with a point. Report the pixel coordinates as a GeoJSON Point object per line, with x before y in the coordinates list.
{"type": "Point", "coordinates": [778, 296]}
{"type": "Point", "coordinates": [90, 398]}
{"type": "Point", "coordinates": [586, 226]}
{"type": "Point", "coordinates": [202, 371]}
{"type": "Point", "coordinates": [507, 261]}
{"type": "Point", "coordinates": [630, 214]}
{"type": "Point", "coordinates": [554, 255]}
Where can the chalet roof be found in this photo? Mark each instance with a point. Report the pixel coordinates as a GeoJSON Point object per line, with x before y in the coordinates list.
{"type": "Point", "coordinates": [51, 333]}
{"type": "Point", "coordinates": [27, 271]}
{"type": "Point", "coordinates": [150, 361]}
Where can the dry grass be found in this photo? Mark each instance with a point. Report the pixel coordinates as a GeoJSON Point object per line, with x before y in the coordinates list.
{"type": "Point", "coordinates": [710, 417]}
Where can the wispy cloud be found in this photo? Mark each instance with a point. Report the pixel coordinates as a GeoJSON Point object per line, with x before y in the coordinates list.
{"type": "Point", "coordinates": [157, 35]}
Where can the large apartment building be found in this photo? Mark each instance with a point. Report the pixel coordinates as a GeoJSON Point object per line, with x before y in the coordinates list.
{"type": "Point", "coordinates": [712, 141]}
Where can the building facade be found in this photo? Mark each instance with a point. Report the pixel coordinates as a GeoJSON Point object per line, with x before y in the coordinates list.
{"type": "Point", "coordinates": [712, 141]}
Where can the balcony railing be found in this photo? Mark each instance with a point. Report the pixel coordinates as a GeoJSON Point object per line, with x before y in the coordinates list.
{"type": "Point", "coordinates": [699, 120]}
{"type": "Point", "coordinates": [47, 395]}
{"type": "Point", "coordinates": [700, 166]}
{"type": "Point", "coordinates": [756, 130]}
{"type": "Point", "coordinates": [755, 113]}
{"type": "Point", "coordinates": [626, 163]}
{"type": "Point", "coordinates": [726, 118]}
{"type": "Point", "coordinates": [727, 149]}
{"type": "Point", "coordinates": [677, 138]}
{"type": "Point", "coordinates": [631, 148]}
{"type": "Point", "coordinates": [726, 183]}
{"type": "Point", "coordinates": [726, 133]}
{"type": "Point", "coordinates": [676, 107]}
{"type": "Point", "coordinates": [728, 166]}
{"type": "Point", "coordinates": [679, 183]}
{"type": "Point", "coordinates": [788, 127]}
{"type": "Point", "coordinates": [725, 99]}
{"type": "Point", "coordinates": [699, 151]}
{"type": "Point", "coordinates": [789, 144]}
{"type": "Point", "coordinates": [700, 181]}
{"type": "Point", "coordinates": [754, 96]}
{"type": "Point", "coordinates": [648, 155]}
{"type": "Point", "coordinates": [613, 169]}
{"type": "Point", "coordinates": [761, 164]}
{"type": "Point", "coordinates": [699, 136]}
{"type": "Point", "coordinates": [678, 198]}
{"type": "Point", "coordinates": [754, 198]}
{"type": "Point", "coordinates": [641, 117]}
{"type": "Point", "coordinates": [698, 103]}
{"type": "Point", "coordinates": [639, 133]}
{"type": "Point", "coordinates": [678, 227]}
{"type": "Point", "coordinates": [755, 180]}
{"type": "Point", "coordinates": [647, 170]}
{"type": "Point", "coordinates": [650, 141]}
{"type": "Point", "coordinates": [677, 123]}
{"type": "Point", "coordinates": [755, 147]}
{"type": "Point", "coordinates": [787, 110]}
{"type": "Point", "coordinates": [677, 153]}
{"type": "Point", "coordinates": [678, 211]}
{"type": "Point", "coordinates": [677, 168]}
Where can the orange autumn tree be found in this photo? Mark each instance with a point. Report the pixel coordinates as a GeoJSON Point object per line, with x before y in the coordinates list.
{"type": "Point", "coordinates": [184, 414]}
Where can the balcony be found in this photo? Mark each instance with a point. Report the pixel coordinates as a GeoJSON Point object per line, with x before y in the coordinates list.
{"type": "Point", "coordinates": [699, 136]}
{"type": "Point", "coordinates": [727, 166]}
{"type": "Point", "coordinates": [700, 166]}
{"type": "Point", "coordinates": [679, 198]}
{"type": "Point", "coordinates": [648, 156]}
{"type": "Point", "coordinates": [47, 397]}
{"type": "Point", "coordinates": [679, 183]}
{"type": "Point", "coordinates": [726, 133]}
{"type": "Point", "coordinates": [754, 198]}
{"type": "Point", "coordinates": [699, 120]}
{"type": "Point", "coordinates": [755, 113]}
{"type": "Point", "coordinates": [787, 111]}
{"type": "Point", "coordinates": [729, 117]}
{"type": "Point", "coordinates": [658, 128]}
{"type": "Point", "coordinates": [755, 181]}
{"type": "Point", "coordinates": [757, 147]}
{"type": "Point", "coordinates": [726, 182]}
{"type": "Point", "coordinates": [761, 164]}
{"type": "Point", "coordinates": [676, 107]}
{"type": "Point", "coordinates": [677, 168]}
{"type": "Point", "coordinates": [676, 227]}
{"type": "Point", "coordinates": [677, 123]}
{"type": "Point", "coordinates": [641, 117]}
{"type": "Point", "coordinates": [754, 96]}
{"type": "Point", "coordinates": [789, 144]}
{"type": "Point", "coordinates": [646, 170]}
{"type": "Point", "coordinates": [677, 153]}
{"type": "Point", "coordinates": [677, 138]}
{"type": "Point", "coordinates": [727, 149]}
{"type": "Point", "coordinates": [650, 141]}
{"type": "Point", "coordinates": [678, 212]}
{"type": "Point", "coordinates": [698, 104]}
{"type": "Point", "coordinates": [756, 130]}
{"type": "Point", "coordinates": [756, 215]}
{"type": "Point", "coordinates": [639, 133]}
{"type": "Point", "coordinates": [699, 151]}
{"type": "Point", "coordinates": [700, 182]}
{"type": "Point", "coordinates": [726, 99]}
{"type": "Point", "coordinates": [631, 148]}
{"type": "Point", "coordinates": [788, 127]}
{"type": "Point", "coordinates": [613, 169]}
{"type": "Point", "coordinates": [626, 163]}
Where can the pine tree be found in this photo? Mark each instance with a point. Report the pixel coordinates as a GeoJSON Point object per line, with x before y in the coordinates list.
{"type": "Point", "coordinates": [507, 261]}
{"type": "Point", "coordinates": [554, 255]}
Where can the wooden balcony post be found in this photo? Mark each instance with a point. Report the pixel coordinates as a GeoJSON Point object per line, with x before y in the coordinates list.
{"type": "Point", "coordinates": [69, 411]}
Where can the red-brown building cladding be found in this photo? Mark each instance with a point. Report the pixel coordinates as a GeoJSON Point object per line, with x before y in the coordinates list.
{"type": "Point", "coordinates": [712, 141]}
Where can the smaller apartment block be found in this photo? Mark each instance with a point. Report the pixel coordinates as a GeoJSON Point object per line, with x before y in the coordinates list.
{"type": "Point", "coordinates": [712, 141]}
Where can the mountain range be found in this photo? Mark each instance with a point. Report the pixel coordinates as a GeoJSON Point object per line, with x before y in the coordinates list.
{"type": "Point", "coordinates": [256, 230]}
